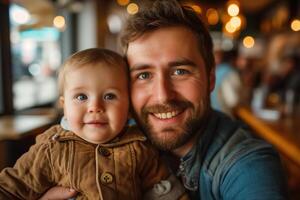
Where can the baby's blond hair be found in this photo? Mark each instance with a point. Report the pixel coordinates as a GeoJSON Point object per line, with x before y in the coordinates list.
{"type": "Point", "coordinates": [87, 57]}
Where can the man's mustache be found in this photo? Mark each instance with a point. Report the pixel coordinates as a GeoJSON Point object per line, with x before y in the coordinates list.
{"type": "Point", "coordinates": [167, 107]}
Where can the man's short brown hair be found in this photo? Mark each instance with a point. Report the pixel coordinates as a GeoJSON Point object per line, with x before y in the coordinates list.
{"type": "Point", "coordinates": [168, 13]}
{"type": "Point", "coordinates": [89, 57]}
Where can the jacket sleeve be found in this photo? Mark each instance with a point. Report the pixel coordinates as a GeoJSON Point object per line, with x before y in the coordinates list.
{"type": "Point", "coordinates": [157, 180]}
{"type": "Point", "coordinates": [30, 177]}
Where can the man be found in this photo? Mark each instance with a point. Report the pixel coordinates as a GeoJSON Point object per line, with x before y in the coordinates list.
{"type": "Point", "coordinates": [169, 52]}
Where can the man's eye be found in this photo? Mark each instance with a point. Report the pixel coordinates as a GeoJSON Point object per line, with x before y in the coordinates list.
{"type": "Point", "coordinates": [144, 75]}
{"type": "Point", "coordinates": [180, 72]}
{"type": "Point", "coordinates": [81, 97]}
{"type": "Point", "coordinates": [109, 96]}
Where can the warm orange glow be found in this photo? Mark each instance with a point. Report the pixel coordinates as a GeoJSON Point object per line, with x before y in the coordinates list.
{"type": "Point", "coordinates": [295, 25]}
{"type": "Point", "coordinates": [243, 21]}
{"type": "Point", "coordinates": [132, 8]}
{"type": "Point", "coordinates": [225, 18]}
{"type": "Point", "coordinates": [59, 22]}
{"type": "Point", "coordinates": [123, 2]}
{"type": "Point", "coordinates": [248, 42]}
{"type": "Point", "coordinates": [197, 9]}
{"type": "Point", "coordinates": [229, 27]}
{"type": "Point", "coordinates": [236, 22]}
{"type": "Point", "coordinates": [233, 9]}
{"type": "Point", "coordinates": [212, 16]}
{"type": "Point", "coordinates": [266, 26]}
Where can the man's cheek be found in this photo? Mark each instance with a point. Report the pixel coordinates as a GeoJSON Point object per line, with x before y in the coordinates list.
{"type": "Point", "coordinates": [136, 108]}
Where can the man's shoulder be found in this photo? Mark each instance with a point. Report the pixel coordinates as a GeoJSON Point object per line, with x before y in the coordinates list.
{"type": "Point", "coordinates": [241, 141]}
{"type": "Point", "coordinates": [239, 156]}
{"type": "Point", "coordinates": [232, 142]}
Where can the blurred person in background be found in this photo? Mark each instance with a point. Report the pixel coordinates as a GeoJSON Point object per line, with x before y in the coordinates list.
{"type": "Point", "coordinates": [285, 84]}
{"type": "Point", "coordinates": [249, 64]}
{"type": "Point", "coordinates": [227, 93]}
{"type": "Point", "coordinates": [280, 84]}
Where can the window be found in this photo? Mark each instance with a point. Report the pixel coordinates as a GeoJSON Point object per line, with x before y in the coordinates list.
{"type": "Point", "coordinates": [36, 56]}
{"type": "Point", "coordinates": [32, 47]}
{"type": "Point", "coordinates": [5, 72]}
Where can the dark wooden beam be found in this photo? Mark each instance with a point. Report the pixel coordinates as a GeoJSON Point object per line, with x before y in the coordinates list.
{"type": "Point", "coordinates": [5, 57]}
{"type": "Point", "coordinates": [102, 13]}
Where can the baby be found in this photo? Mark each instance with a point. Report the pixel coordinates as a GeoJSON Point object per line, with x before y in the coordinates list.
{"type": "Point", "coordinates": [99, 155]}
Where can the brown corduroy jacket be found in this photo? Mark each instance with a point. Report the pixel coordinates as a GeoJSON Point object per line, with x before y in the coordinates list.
{"type": "Point", "coordinates": [123, 169]}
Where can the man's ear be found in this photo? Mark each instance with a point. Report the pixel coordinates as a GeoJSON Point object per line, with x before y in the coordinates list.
{"type": "Point", "coordinates": [212, 79]}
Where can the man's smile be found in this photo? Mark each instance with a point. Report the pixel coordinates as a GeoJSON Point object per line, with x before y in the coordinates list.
{"type": "Point", "coordinates": [167, 115]}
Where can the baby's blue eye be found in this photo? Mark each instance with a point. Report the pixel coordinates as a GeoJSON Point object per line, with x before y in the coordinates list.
{"type": "Point", "coordinates": [109, 96]}
{"type": "Point", "coordinates": [81, 97]}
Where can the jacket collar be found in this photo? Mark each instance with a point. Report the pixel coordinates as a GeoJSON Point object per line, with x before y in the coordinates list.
{"type": "Point", "coordinates": [128, 135]}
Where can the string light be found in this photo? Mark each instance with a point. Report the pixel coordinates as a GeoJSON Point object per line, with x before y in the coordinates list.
{"type": "Point", "coordinates": [123, 2]}
{"type": "Point", "coordinates": [295, 25]}
{"type": "Point", "coordinates": [233, 9]}
{"type": "Point", "coordinates": [212, 16]}
{"type": "Point", "coordinates": [59, 22]}
{"type": "Point", "coordinates": [132, 8]}
{"type": "Point", "coordinates": [236, 22]}
{"type": "Point", "coordinates": [248, 42]}
{"type": "Point", "coordinates": [197, 9]}
{"type": "Point", "coordinates": [229, 27]}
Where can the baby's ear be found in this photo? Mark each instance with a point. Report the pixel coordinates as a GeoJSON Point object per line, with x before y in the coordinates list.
{"type": "Point", "coordinates": [61, 102]}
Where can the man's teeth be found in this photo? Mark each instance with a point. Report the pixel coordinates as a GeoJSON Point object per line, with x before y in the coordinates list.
{"type": "Point", "coordinates": [166, 115]}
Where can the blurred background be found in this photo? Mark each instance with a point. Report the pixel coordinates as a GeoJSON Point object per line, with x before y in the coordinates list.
{"type": "Point", "coordinates": [256, 45]}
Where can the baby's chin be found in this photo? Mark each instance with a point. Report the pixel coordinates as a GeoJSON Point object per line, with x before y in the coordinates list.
{"type": "Point", "coordinates": [94, 140]}
{"type": "Point", "coordinates": [93, 135]}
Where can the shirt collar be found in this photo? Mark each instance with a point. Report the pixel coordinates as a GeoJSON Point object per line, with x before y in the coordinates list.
{"type": "Point", "coordinates": [191, 163]}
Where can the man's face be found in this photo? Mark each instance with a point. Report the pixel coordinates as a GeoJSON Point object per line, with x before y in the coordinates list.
{"type": "Point", "coordinates": [169, 85]}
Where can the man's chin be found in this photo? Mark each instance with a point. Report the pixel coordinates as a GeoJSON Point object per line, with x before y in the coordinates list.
{"type": "Point", "coordinates": [168, 139]}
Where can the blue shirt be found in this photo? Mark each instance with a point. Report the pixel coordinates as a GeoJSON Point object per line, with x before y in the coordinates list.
{"type": "Point", "coordinates": [228, 163]}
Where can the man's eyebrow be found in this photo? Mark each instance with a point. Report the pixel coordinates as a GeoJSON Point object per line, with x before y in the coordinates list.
{"type": "Point", "coordinates": [182, 62]}
{"type": "Point", "coordinates": [138, 67]}
{"type": "Point", "coordinates": [176, 63]}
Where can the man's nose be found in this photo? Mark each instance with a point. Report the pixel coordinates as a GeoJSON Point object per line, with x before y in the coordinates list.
{"type": "Point", "coordinates": [163, 90]}
{"type": "Point", "coordinates": [96, 106]}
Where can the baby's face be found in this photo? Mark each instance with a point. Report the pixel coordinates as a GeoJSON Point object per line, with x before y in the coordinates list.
{"type": "Point", "coordinates": [96, 102]}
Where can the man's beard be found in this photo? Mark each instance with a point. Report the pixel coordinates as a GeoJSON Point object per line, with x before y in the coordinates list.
{"type": "Point", "coordinates": [174, 137]}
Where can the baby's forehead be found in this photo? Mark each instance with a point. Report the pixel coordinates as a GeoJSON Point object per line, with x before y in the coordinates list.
{"type": "Point", "coordinates": [98, 73]}
{"type": "Point", "coordinates": [98, 66]}
{"type": "Point", "coordinates": [109, 65]}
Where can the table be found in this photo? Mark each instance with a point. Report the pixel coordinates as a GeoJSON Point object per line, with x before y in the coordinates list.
{"type": "Point", "coordinates": [284, 133]}
{"type": "Point", "coordinates": [17, 127]}
{"type": "Point", "coordinates": [17, 132]}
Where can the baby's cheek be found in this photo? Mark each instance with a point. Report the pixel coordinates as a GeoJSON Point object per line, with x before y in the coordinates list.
{"type": "Point", "coordinates": [75, 123]}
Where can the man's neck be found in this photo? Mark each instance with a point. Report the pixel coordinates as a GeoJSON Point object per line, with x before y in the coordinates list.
{"type": "Point", "coordinates": [184, 149]}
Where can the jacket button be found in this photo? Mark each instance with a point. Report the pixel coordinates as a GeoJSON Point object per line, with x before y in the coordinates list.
{"type": "Point", "coordinates": [55, 137]}
{"type": "Point", "coordinates": [106, 178]}
{"type": "Point", "coordinates": [104, 152]}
